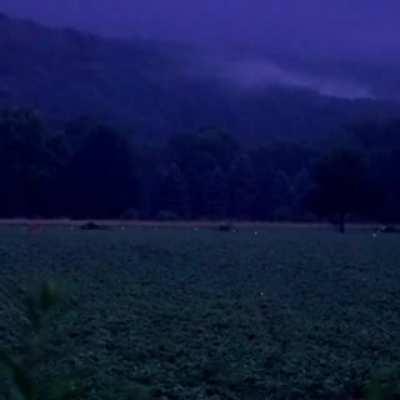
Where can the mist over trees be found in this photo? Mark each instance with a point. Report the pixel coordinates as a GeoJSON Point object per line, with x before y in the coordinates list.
{"type": "Point", "coordinates": [89, 170]}
{"type": "Point", "coordinates": [159, 89]}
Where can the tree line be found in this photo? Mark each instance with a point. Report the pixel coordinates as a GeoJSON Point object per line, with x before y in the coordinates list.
{"type": "Point", "coordinates": [89, 170]}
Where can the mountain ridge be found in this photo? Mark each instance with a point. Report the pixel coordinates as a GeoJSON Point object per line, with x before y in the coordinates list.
{"type": "Point", "coordinates": [156, 88]}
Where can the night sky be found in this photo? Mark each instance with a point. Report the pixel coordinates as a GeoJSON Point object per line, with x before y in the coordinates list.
{"type": "Point", "coordinates": [353, 41]}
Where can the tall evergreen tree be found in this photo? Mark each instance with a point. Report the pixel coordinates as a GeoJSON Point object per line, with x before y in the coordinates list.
{"type": "Point", "coordinates": [216, 195]}
{"type": "Point", "coordinates": [173, 195]}
{"type": "Point", "coordinates": [242, 188]}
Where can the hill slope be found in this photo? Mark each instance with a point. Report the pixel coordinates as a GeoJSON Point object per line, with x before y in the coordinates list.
{"type": "Point", "coordinates": [151, 87]}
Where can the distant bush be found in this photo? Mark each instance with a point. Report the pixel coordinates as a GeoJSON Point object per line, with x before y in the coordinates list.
{"type": "Point", "coordinates": [226, 227]}
{"type": "Point", "coordinates": [389, 229]}
{"type": "Point", "coordinates": [92, 226]}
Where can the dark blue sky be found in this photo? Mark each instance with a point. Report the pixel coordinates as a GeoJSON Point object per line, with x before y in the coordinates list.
{"type": "Point", "coordinates": [366, 24]}
{"type": "Point", "coordinates": [356, 40]}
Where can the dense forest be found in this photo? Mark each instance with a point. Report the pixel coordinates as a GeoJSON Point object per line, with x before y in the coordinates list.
{"type": "Point", "coordinates": [90, 170]}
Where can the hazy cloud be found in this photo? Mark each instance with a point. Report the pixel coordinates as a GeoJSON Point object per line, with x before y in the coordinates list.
{"type": "Point", "coordinates": [260, 74]}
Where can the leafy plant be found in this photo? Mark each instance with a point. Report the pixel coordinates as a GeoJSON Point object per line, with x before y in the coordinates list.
{"type": "Point", "coordinates": [19, 370]}
{"type": "Point", "coordinates": [385, 386]}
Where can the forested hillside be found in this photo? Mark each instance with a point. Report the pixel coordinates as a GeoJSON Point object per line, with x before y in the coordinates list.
{"type": "Point", "coordinates": [156, 88]}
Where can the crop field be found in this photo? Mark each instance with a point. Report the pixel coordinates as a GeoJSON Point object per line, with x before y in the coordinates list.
{"type": "Point", "coordinates": [277, 313]}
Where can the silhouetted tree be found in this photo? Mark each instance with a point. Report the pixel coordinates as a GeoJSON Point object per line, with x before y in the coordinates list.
{"type": "Point", "coordinates": [301, 186]}
{"type": "Point", "coordinates": [281, 196]}
{"type": "Point", "coordinates": [216, 195]}
{"type": "Point", "coordinates": [342, 187]}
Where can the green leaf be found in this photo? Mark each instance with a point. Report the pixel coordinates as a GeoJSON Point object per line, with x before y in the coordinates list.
{"type": "Point", "coordinates": [64, 389]}
{"type": "Point", "coordinates": [7, 364]}
{"type": "Point", "coordinates": [24, 383]}
{"type": "Point", "coordinates": [33, 313]}
{"type": "Point", "coordinates": [140, 392]}
{"type": "Point", "coordinates": [375, 391]}
{"type": "Point", "coordinates": [49, 296]}
{"type": "Point", "coordinates": [19, 377]}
